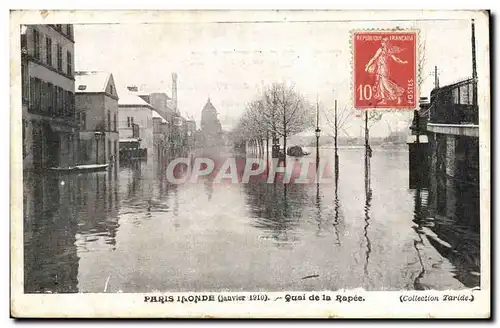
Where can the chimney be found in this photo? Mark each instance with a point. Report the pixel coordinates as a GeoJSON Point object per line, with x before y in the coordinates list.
{"type": "Point", "coordinates": [174, 91]}
{"type": "Point", "coordinates": [132, 88]}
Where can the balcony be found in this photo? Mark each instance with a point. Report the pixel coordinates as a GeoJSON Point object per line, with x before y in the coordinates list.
{"type": "Point", "coordinates": [455, 104]}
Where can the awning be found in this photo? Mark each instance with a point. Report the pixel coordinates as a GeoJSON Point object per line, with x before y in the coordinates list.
{"type": "Point", "coordinates": [130, 140]}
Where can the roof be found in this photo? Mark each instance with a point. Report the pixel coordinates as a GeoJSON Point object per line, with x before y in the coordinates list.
{"type": "Point", "coordinates": [94, 81]}
{"type": "Point", "coordinates": [209, 107]}
{"type": "Point", "coordinates": [156, 115]}
{"type": "Point", "coordinates": [128, 98]}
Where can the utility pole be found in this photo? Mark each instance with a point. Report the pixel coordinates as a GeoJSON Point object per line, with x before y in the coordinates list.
{"type": "Point", "coordinates": [336, 128]}
{"type": "Point", "coordinates": [318, 131]}
{"type": "Point", "coordinates": [368, 151]}
{"type": "Point", "coordinates": [474, 68]}
{"type": "Point", "coordinates": [436, 77]}
{"type": "Point", "coordinates": [336, 145]}
{"type": "Point", "coordinates": [366, 132]}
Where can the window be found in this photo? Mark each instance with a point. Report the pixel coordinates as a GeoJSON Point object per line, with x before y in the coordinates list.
{"type": "Point", "coordinates": [54, 100]}
{"type": "Point", "coordinates": [116, 150]}
{"type": "Point", "coordinates": [114, 121]}
{"type": "Point", "coordinates": [48, 46]}
{"type": "Point", "coordinates": [69, 63]}
{"type": "Point", "coordinates": [466, 94]}
{"type": "Point", "coordinates": [72, 104]}
{"type": "Point", "coordinates": [79, 153]}
{"type": "Point", "coordinates": [43, 96]}
{"type": "Point", "coordinates": [58, 100]}
{"type": "Point", "coordinates": [109, 149]}
{"type": "Point", "coordinates": [25, 82]}
{"type": "Point", "coordinates": [37, 95]}
{"type": "Point", "coordinates": [130, 121]}
{"type": "Point", "coordinates": [111, 89]}
{"type": "Point", "coordinates": [24, 44]}
{"type": "Point", "coordinates": [455, 96]}
{"type": "Point", "coordinates": [36, 41]}
{"type": "Point", "coordinates": [59, 57]}
{"type": "Point", "coordinates": [84, 120]}
{"type": "Point", "coordinates": [50, 97]}
{"type": "Point", "coordinates": [65, 103]}
{"type": "Point", "coordinates": [82, 87]}
{"type": "Point", "coordinates": [109, 120]}
{"type": "Point", "coordinates": [24, 138]}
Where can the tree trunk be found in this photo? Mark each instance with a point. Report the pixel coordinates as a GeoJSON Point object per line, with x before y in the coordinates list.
{"type": "Point", "coordinates": [284, 146]}
{"type": "Point", "coordinates": [267, 147]}
{"type": "Point", "coordinates": [284, 135]}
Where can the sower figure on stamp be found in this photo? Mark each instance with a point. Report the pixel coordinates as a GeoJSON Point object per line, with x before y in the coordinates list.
{"type": "Point", "coordinates": [385, 88]}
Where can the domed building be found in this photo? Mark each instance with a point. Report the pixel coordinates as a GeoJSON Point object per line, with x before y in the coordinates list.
{"type": "Point", "coordinates": [211, 129]}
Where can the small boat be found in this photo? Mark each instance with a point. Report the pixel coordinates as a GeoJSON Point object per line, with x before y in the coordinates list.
{"type": "Point", "coordinates": [81, 168]}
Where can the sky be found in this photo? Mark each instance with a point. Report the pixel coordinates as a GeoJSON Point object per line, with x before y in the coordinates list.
{"type": "Point", "coordinates": [231, 62]}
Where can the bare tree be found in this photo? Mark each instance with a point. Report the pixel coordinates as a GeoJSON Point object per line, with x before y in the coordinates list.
{"type": "Point", "coordinates": [285, 111]}
{"type": "Point", "coordinates": [280, 111]}
{"type": "Point", "coordinates": [342, 116]}
{"type": "Point", "coordinates": [421, 64]}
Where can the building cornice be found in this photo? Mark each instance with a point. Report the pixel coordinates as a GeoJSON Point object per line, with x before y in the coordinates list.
{"type": "Point", "coordinates": [53, 69]}
{"type": "Point", "coordinates": [470, 130]}
{"type": "Point", "coordinates": [97, 93]}
{"type": "Point", "coordinates": [60, 32]}
{"type": "Point", "coordinates": [136, 106]}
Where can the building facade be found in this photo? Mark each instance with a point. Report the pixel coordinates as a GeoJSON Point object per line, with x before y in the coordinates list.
{"type": "Point", "coordinates": [211, 128]}
{"type": "Point", "coordinates": [160, 135]}
{"type": "Point", "coordinates": [135, 120]}
{"type": "Point", "coordinates": [97, 113]}
{"type": "Point", "coordinates": [453, 131]}
{"type": "Point", "coordinates": [50, 129]}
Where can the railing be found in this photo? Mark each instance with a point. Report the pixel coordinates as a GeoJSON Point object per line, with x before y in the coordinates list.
{"type": "Point", "coordinates": [455, 104]}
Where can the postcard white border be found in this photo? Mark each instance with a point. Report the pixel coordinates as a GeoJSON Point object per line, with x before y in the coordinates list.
{"type": "Point", "coordinates": [375, 304]}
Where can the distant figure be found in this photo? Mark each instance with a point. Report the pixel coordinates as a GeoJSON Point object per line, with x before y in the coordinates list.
{"type": "Point", "coordinates": [385, 88]}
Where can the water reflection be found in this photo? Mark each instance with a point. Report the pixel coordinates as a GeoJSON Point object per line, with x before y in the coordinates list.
{"type": "Point", "coordinates": [276, 209]}
{"type": "Point", "coordinates": [418, 244]}
{"type": "Point", "coordinates": [98, 214]}
{"type": "Point", "coordinates": [453, 237]}
{"type": "Point", "coordinates": [133, 226]}
{"type": "Point", "coordinates": [368, 199]}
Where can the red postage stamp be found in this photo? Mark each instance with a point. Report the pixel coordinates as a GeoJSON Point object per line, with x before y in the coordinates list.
{"type": "Point", "coordinates": [384, 69]}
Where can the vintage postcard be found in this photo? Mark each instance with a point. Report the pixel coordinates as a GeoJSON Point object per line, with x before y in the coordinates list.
{"type": "Point", "coordinates": [250, 164]}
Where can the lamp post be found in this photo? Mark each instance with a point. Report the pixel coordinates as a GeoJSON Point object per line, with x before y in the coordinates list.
{"type": "Point", "coordinates": [336, 144]}
{"type": "Point", "coordinates": [318, 132]}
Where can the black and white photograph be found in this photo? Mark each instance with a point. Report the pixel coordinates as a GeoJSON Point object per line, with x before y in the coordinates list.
{"type": "Point", "coordinates": [263, 158]}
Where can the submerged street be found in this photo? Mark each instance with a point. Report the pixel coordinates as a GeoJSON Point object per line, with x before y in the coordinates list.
{"type": "Point", "coordinates": [129, 230]}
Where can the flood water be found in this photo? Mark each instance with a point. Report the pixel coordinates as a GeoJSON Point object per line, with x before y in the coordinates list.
{"type": "Point", "coordinates": [129, 230]}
